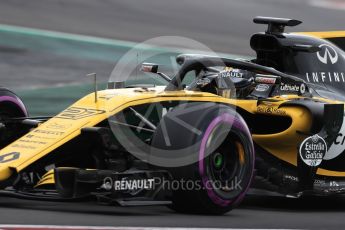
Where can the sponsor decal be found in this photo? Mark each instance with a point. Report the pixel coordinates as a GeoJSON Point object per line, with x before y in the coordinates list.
{"type": "Point", "coordinates": [231, 73]}
{"type": "Point", "coordinates": [319, 182]}
{"type": "Point", "coordinates": [22, 146]}
{"type": "Point", "coordinates": [293, 88]}
{"type": "Point", "coordinates": [56, 125]}
{"type": "Point", "coordinates": [302, 88]}
{"type": "Point", "coordinates": [312, 150]}
{"type": "Point", "coordinates": [291, 178]}
{"type": "Point", "coordinates": [108, 96]}
{"type": "Point", "coordinates": [288, 87]}
{"type": "Point", "coordinates": [9, 157]}
{"type": "Point", "coordinates": [47, 132]}
{"type": "Point", "coordinates": [203, 82]}
{"type": "Point", "coordinates": [265, 80]}
{"type": "Point", "coordinates": [32, 142]}
{"type": "Point", "coordinates": [327, 54]}
{"type": "Point", "coordinates": [270, 110]}
{"type": "Point", "coordinates": [321, 77]}
{"type": "Point", "coordinates": [44, 137]}
{"type": "Point", "coordinates": [333, 184]}
{"type": "Point", "coordinates": [126, 184]}
{"type": "Point", "coordinates": [146, 68]}
{"type": "Point", "coordinates": [262, 87]}
{"type": "Point", "coordinates": [121, 185]}
{"type": "Point", "coordinates": [340, 139]}
{"type": "Point", "coordinates": [75, 113]}
{"type": "Point", "coordinates": [144, 90]}
{"type": "Point", "coordinates": [338, 145]}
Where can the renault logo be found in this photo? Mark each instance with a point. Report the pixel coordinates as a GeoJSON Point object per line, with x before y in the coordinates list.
{"type": "Point", "coordinates": [326, 54]}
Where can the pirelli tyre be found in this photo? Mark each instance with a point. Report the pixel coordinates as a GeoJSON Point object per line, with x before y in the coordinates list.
{"type": "Point", "coordinates": [214, 147]}
{"type": "Point", "coordinates": [11, 106]}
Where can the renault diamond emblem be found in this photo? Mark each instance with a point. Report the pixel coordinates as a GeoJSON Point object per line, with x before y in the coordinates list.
{"type": "Point", "coordinates": [327, 53]}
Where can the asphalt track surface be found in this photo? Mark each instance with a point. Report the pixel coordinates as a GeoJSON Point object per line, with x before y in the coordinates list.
{"type": "Point", "coordinates": [223, 25]}
{"type": "Point", "coordinates": [255, 212]}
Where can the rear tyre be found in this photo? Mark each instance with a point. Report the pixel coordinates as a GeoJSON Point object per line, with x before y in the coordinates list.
{"type": "Point", "coordinates": [221, 175]}
{"type": "Point", "coordinates": [11, 106]}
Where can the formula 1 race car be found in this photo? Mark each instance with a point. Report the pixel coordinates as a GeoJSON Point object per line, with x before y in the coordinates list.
{"type": "Point", "coordinates": [274, 123]}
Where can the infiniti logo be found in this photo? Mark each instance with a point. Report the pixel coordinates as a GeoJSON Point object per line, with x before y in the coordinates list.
{"type": "Point", "coordinates": [326, 53]}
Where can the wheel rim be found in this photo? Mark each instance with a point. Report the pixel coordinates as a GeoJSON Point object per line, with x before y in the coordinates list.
{"type": "Point", "coordinates": [226, 164]}
{"type": "Point", "coordinates": [237, 128]}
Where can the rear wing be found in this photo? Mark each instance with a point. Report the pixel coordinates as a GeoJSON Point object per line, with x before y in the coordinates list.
{"type": "Point", "coordinates": [336, 37]}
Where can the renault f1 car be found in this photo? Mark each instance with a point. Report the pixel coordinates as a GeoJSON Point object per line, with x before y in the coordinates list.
{"type": "Point", "coordinates": [273, 123]}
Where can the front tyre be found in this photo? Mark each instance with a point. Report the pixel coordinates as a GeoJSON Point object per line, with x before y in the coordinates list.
{"type": "Point", "coordinates": [224, 151]}
{"type": "Point", "coordinates": [11, 106]}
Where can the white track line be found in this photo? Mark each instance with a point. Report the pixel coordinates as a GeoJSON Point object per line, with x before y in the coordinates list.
{"type": "Point", "coordinates": [329, 4]}
{"type": "Point", "coordinates": [22, 227]}
{"type": "Point", "coordinates": [96, 40]}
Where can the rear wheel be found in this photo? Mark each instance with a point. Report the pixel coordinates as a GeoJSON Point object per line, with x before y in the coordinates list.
{"type": "Point", "coordinates": [224, 153]}
{"type": "Point", "coordinates": [11, 106]}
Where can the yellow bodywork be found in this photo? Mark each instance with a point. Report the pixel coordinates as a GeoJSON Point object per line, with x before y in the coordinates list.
{"type": "Point", "coordinates": [87, 113]}
{"type": "Point", "coordinates": [283, 145]}
{"type": "Point", "coordinates": [47, 179]}
{"type": "Point", "coordinates": [325, 34]}
{"type": "Point", "coordinates": [84, 113]}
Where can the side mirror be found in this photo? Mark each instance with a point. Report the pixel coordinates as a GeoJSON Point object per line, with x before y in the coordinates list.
{"type": "Point", "coordinates": [153, 68]}
{"type": "Point", "coordinates": [149, 68]}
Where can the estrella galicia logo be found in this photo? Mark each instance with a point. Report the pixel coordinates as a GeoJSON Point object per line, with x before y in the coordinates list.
{"type": "Point", "coordinates": [312, 150]}
{"type": "Point", "coordinates": [326, 54]}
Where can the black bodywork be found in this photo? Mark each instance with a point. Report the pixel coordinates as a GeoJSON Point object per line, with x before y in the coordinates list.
{"type": "Point", "coordinates": [320, 63]}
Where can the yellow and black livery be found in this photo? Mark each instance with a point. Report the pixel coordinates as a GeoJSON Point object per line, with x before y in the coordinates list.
{"type": "Point", "coordinates": [274, 122]}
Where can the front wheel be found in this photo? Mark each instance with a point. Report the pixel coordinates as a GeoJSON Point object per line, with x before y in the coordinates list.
{"type": "Point", "coordinates": [11, 106]}
{"type": "Point", "coordinates": [224, 156]}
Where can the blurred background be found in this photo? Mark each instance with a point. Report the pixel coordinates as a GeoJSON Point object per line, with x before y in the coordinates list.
{"type": "Point", "coordinates": [48, 46]}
